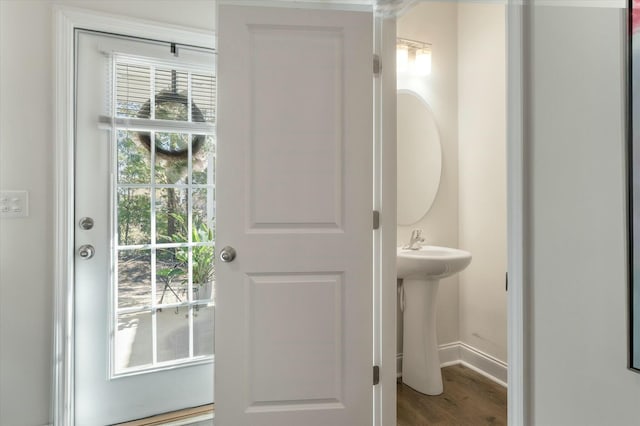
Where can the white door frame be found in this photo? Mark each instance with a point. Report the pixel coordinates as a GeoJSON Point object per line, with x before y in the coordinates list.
{"type": "Point", "coordinates": [67, 20]}
{"type": "Point", "coordinates": [385, 294]}
{"type": "Point", "coordinates": [517, 392]}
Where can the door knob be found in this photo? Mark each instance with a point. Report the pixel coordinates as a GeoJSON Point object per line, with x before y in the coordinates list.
{"type": "Point", "coordinates": [86, 251]}
{"type": "Point", "coordinates": [228, 254]}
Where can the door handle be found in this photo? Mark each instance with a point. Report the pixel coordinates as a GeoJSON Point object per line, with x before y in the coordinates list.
{"type": "Point", "coordinates": [228, 254]}
{"type": "Point", "coordinates": [86, 251]}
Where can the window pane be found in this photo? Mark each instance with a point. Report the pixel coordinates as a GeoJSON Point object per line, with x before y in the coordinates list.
{"type": "Point", "coordinates": [171, 215]}
{"type": "Point", "coordinates": [204, 291]}
{"type": "Point", "coordinates": [134, 278]}
{"type": "Point", "coordinates": [134, 160]}
{"type": "Point", "coordinates": [173, 334]}
{"type": "Point", "coordinates": [172, 152]}
{"type": "Point", "coordinates": [134, 216]}
{"type": "Point", "coordinates": [203, 269]}
{"type": "Point", "coordinates": [171, 275]}
{"type": "Point", "coordinates": [203, 343]}
{"type": "Point", "coordinates": [171, 95]}
{"type": "Point", "coordinates": [133, 343]}
{"type": "Point", "coordinates": [204, 210]}
{"type": "Point", "coordinates": [204, 164]}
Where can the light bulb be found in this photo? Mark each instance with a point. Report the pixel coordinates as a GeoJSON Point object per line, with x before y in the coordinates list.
{"type": "Point", "coordinates": [423, 62]}
{"type": "Point", "coordinates": [402, 58]}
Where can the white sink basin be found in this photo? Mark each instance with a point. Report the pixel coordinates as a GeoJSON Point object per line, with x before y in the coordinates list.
{"type": "Point", "coordinates": [430, 262]}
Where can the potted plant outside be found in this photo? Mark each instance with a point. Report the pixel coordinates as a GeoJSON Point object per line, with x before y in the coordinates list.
{"type": "Point", "coordinates": [202, 257]}
{"type": "Point", "coordinates": [202, 260]}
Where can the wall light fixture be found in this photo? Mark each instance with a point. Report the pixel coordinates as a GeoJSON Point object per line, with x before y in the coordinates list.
{"type": "Point", "coordinates": [413, 57]}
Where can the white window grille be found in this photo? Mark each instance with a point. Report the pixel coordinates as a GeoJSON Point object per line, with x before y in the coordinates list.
{"type": "Point", "coordinates": [164, 149]}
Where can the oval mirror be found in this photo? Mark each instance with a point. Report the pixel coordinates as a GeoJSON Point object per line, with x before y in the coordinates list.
{"type": "Point", "coordinates": [419, 157]}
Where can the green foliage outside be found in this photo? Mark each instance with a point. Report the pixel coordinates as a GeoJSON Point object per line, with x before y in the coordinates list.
{"type": "Point", "coordinates": [134, 204]}
{"type": "Point", "coordinates": [134, 211]}
{"type": "Point", "coordinates": [202, 256]}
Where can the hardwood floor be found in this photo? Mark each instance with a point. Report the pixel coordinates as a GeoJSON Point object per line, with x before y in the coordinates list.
{"type": "Point", "coordinates": [469, 399]}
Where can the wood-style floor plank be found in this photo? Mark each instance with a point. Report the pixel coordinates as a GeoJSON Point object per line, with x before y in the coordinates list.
{"type": "Point", "coordinates": [469, 399]}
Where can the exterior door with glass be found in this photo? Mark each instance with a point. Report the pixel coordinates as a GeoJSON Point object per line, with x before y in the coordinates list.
{"type": "Point", "coordinates": [145, 228]}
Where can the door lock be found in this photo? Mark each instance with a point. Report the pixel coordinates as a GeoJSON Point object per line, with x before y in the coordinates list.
{"type": "Point", "coordinates": [86, 251]}
{"type": "Point", "coordinates": [86, 223]}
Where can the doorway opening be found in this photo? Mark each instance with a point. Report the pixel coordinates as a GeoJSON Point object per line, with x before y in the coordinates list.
{"type": "Point", "coordinates": [465, 90]}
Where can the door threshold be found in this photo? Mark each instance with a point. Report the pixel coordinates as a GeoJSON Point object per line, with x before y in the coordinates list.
{"type": "Point", "coordinates": [176, 418]}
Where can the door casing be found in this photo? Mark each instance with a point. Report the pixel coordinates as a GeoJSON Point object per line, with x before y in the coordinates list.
{"type": "Point", "coordinates": [66, 20]}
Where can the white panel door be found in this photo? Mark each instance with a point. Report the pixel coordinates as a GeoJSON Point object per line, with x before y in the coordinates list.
{"type": "Point", "coordinates": [143, 330]}
{"type": "Point", "coordinates": [294, 308]}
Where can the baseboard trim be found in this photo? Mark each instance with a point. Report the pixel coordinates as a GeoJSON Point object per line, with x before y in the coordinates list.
{"type": "Point", "coordinates": [461, 353]}
{"type": "Point", "coordinates": [490, 367]}
{"type": "Point", "coordinates": [449, 354]}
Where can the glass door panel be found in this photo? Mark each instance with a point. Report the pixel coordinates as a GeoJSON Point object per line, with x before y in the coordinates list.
{"type": "Point", "coordinates": [164, 206]}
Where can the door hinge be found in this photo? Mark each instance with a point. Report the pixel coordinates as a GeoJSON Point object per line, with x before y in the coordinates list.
{"type": "Point", "coordinates": [506, 281]}
{"type": "Point", "coordinates": [376, 219]}
{"type": "Point", "coordinates": [377, 65]}
{"type": "Point", "coordinates": [376, 375]}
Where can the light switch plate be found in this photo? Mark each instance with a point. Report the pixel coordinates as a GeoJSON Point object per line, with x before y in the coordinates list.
{"type": "Point", "coordinates": [14, 204]}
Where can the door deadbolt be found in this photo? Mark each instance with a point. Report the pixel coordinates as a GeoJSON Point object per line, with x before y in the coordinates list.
{"type": "Point", "coordinates": [228, 254]}
{"type": "Point", "coordinates": [86, 251]}
{"type": "Point", "coordinates": [86, 223]}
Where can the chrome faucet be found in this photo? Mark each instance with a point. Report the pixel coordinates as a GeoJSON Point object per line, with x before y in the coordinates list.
{"type": "Point", "coordinates": [416, 240]}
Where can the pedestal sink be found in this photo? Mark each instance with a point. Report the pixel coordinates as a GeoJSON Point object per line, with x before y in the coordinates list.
{"type": "Point", "coordinates": [421, 271]}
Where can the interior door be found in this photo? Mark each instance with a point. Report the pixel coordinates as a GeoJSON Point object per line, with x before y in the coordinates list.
{"type": "Point", "coordinates": [145, 214]}
{"type": "Point", "coordinates": [294, 313]}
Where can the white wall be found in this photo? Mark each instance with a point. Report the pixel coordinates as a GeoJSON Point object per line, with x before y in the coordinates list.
{"type": "Point", "coordinates": [436, 23]}
{"type": "Point", "coordinates": [482, 175]}
{"type": "Point", "coordinates": [26, 138]}
{"type": "Point", "coordinates": [577, 262]}
{"type": "Point", "coordinates": [25, 244]}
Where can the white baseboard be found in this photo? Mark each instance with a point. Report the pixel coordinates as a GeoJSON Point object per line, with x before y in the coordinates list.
{"type": "Point", "coordinates": [449, 354]}
{"type": "Point", "coordinates": [485, 364]}
{"type": "Point", "coordinates": [461, 353]}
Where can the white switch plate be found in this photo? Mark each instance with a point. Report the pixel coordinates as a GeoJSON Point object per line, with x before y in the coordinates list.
{"type": "Point", "coordinates": [14, 204]}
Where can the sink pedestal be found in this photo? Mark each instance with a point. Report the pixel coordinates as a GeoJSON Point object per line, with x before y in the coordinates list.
{"type": "Point", "coordinates": [420, 359]}
{"type": "Point", "coordinates": [421, 271]}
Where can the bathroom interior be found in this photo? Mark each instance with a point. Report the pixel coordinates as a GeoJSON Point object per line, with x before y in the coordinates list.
{"type": "Point", "coordinates": [454, 191]}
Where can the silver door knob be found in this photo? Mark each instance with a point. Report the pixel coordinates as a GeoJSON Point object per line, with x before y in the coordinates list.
{"type": "Point", "coordinates": [228, 254]}
{"type": "Point", "coordinates": [86, 251]}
